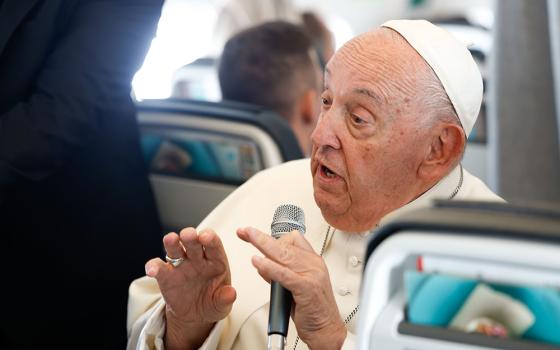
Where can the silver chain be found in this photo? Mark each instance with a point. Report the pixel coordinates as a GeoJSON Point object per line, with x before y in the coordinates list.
{"type": "Point", "coordinates": [355, 311]}
{"type": "Point", "coordinates": [454, 193]}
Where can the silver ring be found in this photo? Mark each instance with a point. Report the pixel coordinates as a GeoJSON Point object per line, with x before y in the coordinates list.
{"type": "Point", "coordinates": [174, 262]}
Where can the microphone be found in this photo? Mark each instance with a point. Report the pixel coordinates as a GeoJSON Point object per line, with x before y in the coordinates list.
{"type": "Point", "coordinates": [287, 218]}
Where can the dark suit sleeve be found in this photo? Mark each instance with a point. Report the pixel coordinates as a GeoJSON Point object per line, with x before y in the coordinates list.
{"type": "Point", "coordinates": [89, 69]}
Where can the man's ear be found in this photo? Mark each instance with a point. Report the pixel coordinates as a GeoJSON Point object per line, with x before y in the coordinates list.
{"type": "Point", "coordinates": [444, 152]}
{"type": "Point", "coordinates": [309, 107]}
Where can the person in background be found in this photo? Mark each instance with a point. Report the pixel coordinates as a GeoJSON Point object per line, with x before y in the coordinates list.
{"type": "Point", "coordinates": [237, 15]}
{"type": "Point", "coordinates": [321, 36]}
{"type": "Point", "coordinates": [274, 65]}
{"type": "Point", "coordinates": [73, 186]}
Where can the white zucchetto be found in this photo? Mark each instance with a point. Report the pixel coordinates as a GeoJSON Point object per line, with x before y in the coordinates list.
{"type": "Point", "coordinates": [451, 61]}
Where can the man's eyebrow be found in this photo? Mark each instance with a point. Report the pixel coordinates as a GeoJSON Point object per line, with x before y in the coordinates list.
{"type": "Point", "coordinates": [368, 93]}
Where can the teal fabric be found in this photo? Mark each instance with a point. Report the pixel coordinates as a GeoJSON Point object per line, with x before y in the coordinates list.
{"type": "Point", "coordinates": [435, 299]}
{"type": "Point", "coordinates": [544, 303]}
{"type": "Point", "coordinates": [150, 144]}
{"type": "Point", "coordinates": [203, 161]}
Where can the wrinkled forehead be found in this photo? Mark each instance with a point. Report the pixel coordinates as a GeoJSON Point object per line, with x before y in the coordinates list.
{"type": "Point", "coordinates": [380, 57]}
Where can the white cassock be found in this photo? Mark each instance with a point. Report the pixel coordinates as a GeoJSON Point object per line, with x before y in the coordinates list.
{"type": "Point", "coordinates": [253, 204]}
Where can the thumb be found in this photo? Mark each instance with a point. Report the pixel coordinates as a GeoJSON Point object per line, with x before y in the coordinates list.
{"type": "Point", "coordinates": [156, 268]}
{"type": "Point", "coordinates": [224, 298]}
{"type": "Point", "coordinates": [300, 241]}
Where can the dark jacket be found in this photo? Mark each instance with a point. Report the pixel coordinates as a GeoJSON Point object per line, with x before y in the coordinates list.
{"type": "Point", "coordinates": [77, 216]}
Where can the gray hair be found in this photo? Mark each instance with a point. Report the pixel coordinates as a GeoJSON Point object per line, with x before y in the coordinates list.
{"type": "Point", "coordinates": [434, 104]}
{"type": "Point", "coordinates": [431, 94]}
{"type": "Point", "coordinates": [435, 100]}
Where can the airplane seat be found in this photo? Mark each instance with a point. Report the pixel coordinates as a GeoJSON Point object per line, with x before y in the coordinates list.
{"type": "Point", "coordinates": [463, 275]}
{"type": "Point", "coordinates": [198, 152]}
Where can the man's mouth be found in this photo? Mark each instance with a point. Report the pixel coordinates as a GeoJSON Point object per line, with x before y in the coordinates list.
{"type": "Point", "coordinates": [328, 172]}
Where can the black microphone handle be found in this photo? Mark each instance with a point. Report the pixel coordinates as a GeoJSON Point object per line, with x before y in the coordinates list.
{"type": "Point", "coordinates": [280, 309]}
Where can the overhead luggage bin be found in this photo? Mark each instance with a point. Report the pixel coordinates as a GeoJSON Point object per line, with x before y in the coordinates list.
{"type": "Point", "coordinates": [198, 152]}
{"type": "Point", "coordinates": [463, 275]}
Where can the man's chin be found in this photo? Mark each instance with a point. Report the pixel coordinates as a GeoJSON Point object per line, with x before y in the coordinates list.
{"type": "Point", "coordinates": [338, 216]}
{"type": "Point", "coordinates": [330, 205]}
{"type": "Point", "coordinates": [337, 221]}
{"type": "Point", "coordinates": [322, 199]}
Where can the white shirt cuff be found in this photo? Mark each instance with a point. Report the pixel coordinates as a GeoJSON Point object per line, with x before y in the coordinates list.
{"type": "Point", "coordinates": [153, 332]}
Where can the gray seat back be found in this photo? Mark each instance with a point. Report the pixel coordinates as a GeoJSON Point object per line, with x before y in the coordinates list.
{"type": "Point", "coordinates": [483, 242]}
{"type": "Point", "coordinates": [198, 152]}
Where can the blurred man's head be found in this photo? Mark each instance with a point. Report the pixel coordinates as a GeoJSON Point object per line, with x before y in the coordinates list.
{"type": "Point", "coordinates": [321, 36]}
{"type": "Point", "coordinates": [275, 66]}
{"type": "Point", "coordinates": [388, 130]}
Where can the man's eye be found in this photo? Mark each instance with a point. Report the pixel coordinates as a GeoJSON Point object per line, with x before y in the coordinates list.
{"type": "Point", "coordinates": [324, 101]}
{"type": "Point", "coordinates": [357, 120]}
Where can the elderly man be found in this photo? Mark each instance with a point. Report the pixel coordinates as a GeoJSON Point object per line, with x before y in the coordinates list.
{"type": "Point", "coordinates": [397, 105]}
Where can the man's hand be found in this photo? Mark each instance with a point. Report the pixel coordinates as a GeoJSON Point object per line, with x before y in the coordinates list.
{"type": "Point", "coordinates": [291, 261]}
{"type": "Point", "coordinates": [198, 292]}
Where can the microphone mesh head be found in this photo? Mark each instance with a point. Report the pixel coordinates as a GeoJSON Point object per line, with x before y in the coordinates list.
{"type": "Point", "coordinates": [287, 217]}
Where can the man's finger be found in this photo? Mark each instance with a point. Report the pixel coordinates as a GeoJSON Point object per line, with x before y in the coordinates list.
{"type": "Point", "coordinates": [173, 247]}
{"type": "Point", "coordinates": [224, 298]}
{"type": "Point", "coordinates": [299, 240]}
{"type": "Point", "coordinates": [263, 276]}
{"type": "Point", "coordinates": [213, 248]}
{"type": "Point", "coordinates": [263, 242]}
{"type": "Point", "coordinates": [156, 268]}
{"type": "Point", "coordinates": [282, 250]}
{"type": "Point", "coordinates": [272, 271]}
{"type": "Point", "coordinates": [189, 238]}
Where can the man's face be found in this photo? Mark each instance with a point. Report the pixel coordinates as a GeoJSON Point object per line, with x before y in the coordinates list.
{"type": "Point", "coordinates": [367, 145]}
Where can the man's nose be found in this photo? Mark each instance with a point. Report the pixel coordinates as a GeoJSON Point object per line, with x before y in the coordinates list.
{"type": "Point", "coordinates": [324, 133]}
